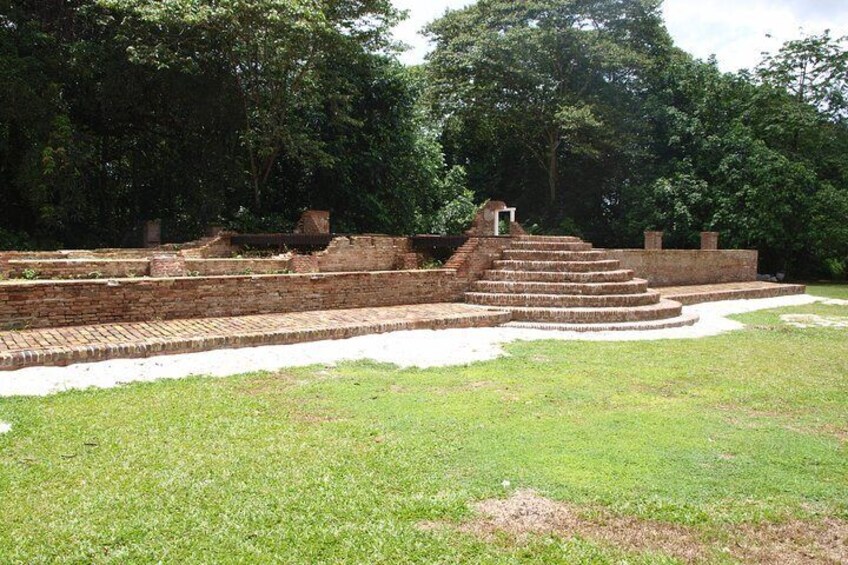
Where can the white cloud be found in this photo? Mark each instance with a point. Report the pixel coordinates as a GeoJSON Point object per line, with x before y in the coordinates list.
{"type": "Point", "coordinates": [734, 30]}
{"type": "Point", "coordinates": [421, 12]}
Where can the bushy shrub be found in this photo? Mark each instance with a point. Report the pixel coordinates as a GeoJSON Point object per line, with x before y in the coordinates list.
{"type": "Point", "coordinates": [459, 209]}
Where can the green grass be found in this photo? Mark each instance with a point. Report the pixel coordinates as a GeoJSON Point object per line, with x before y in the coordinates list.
{"type": "Point", "coordinates": [340, 464]}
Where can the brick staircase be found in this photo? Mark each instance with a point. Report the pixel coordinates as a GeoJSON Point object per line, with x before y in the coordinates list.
{"type": "Point", "coordinates": [563, 283]}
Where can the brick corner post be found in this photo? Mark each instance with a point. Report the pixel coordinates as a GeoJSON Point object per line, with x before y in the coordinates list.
{"type": "Point", "coordinates": [709, 240]}
{"type": "Point", "coordinates": [313, 222]}
{"type": "Point", "coordinates": [152, 233]}
{"type": "Point", "coordinates": [166, 266]}
{"type": "Point", "coordinates": [304, 264]}
{"type": "Point", "coordinates": [653, 240]}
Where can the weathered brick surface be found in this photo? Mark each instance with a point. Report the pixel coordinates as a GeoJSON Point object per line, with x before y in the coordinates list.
{"type": "Point", "coordinates": [167, 266]}
{"type": "Point", "coordinates": [304, 264]}
{"type": "Point", "coordinates": [411, 261]}
{"type": "Point", "coordinates": [476, 256]}
{"type": "Point", "coordinates": [62, 346]}
{"type": "Point", "coordinates": [152, 236]}
{"type": "Point", "coordinates": [80, 268]}
{"type": "Point", "coordinates": [39, 304]}
{"type": "Point", "coordinates": [217, 246]}
{"type": "Point", "coordinates": [698, 294]}
{"type": "Point", "coordinates": [218, 267]}
{"type": "Point", "coordinates": [313, 222]}
{"type": "Point", "coordinates": [709, 240]}
{"type": "Point", "coordinates": [363, 253]}
{"type": "Point", "coordinates": [688, 267]}
{"type": "Point", "coordinates": [654, 240]}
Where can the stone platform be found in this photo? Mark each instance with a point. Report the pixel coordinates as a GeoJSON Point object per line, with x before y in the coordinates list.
{"type": "Point", "coordinates": [79, 344]}
{"type": "Point", "coordinates": [688, 295]}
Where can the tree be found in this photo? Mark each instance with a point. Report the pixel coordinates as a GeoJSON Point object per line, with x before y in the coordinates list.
{"type": "Point", "coordinates": [544, 72]}
{"type": "Point", "coordinates": [272, 50]}
{"type": "Point", "coordinates": [814, 70]}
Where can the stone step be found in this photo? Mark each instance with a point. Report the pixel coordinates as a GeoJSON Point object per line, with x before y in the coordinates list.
{"type": "Point", "coordinates": [83, 344]}
{"type": "Point", "coordinates": [551, 238]}
{"type": "Point", "coordinates": [729, 291]}
{"type": "Point", "coordinates": [678, 322]}
{"type": "Point", "coordinates": [562, 300]}
{"type": "Point", "coordinates": [664, 309]}
{"type": "Point", "coordinates": [550, 245]}
{"type": "Point", "coordinates": [620, 275]}
{"type": "Point", "coordinates": [635, 286]}
{"type": "Point", "coordinates": [559, 266]}
{"type": "Point", "coordinates": [546, 255]}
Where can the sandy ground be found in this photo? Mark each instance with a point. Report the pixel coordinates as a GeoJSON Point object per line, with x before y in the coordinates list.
{"type": "Point", "coordinates": [419, 348]}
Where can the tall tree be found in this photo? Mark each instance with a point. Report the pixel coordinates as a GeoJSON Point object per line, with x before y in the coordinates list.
{"type": "Point", "coordinates": [814, 69]}
{"type": "Point", "coordinates": [544, 71]}
{"type": "Point", "coordinates": [273, 50]}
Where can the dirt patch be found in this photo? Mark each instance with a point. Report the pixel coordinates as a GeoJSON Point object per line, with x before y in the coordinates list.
{"type": "Point", "coordinates": [814, 321]}
{"type": "Point", "coordinates": [527, 513]}
{"type": "Point", "coordinates": [794, 543]}
{"type": "Point", "coordinates": [477, 385]}
{"type": "Point", "coordinates": [839, 432]}
{"type": "Point", "coordinates": [267, 384]}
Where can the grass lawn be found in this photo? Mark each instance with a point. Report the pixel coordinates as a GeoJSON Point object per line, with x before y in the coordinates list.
{"type": "Point", "coordinates": [718, 440]}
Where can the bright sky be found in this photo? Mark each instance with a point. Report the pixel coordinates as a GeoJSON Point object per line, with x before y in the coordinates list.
{"type": "Point", "coordinates": [734, 30]}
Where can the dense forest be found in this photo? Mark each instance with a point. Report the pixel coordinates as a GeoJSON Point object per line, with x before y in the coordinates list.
{"type": "Point", "coordinates": [582, 113]}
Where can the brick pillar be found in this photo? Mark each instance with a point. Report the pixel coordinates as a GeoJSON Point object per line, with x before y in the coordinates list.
{"type": "Point", "coordinates": [153, 233]}
{"type": "Point", "coordinates": [314, 222]}
{"type": "Point", "coordinates": [409, 261]}
{"type": "Point", "coordinates": [709, 240]}
{"type": "Point", "coordinates": [304, 264]}
{"type": "Point", "coordinates": [653, 240]}
{"type": "Point", "coordinates": [167, 266]}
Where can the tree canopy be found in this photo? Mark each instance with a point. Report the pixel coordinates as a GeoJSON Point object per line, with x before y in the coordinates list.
{"type": "Point", "coordinates": [582, 113]}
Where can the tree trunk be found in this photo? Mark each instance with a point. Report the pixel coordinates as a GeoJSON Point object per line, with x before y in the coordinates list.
{"type": "Point", "coordinates": [553, 168]}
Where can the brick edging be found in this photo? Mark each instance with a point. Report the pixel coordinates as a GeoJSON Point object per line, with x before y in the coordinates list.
{"type": "Point", "coordinates": [62, 356]}
{"type": "Point", "coordinates": [736, 294]}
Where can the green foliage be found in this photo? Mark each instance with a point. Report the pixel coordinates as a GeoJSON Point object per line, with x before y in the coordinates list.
{"type": "Point", "coordinates": [113, 112]}
{"type": "Point", "coordinates": [581, 114]}
{"type": "Point", "coordinates": [551, 77]}
{"type": "Point", "coordinates": [828, 229]}
{"type": "Point", "coordinates": [458, 208]}
{"type": "Point", "coordinates": [10, 240]}
{"type": "Point", "coordinates": [29, 274]}
{"type": "Point", "coordinates": [814, 70]}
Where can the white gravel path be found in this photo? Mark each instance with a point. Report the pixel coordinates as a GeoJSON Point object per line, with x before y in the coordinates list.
{"type": "Point", "coordinates": [419, 348]}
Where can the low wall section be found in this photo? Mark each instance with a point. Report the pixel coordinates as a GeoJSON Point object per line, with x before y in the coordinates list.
{"type": "Point", "coordinates": [39, 304]}
{"type": "Point", "coordinates": [678, 267]}
{"type": "Point", "coordinates": [363, 253]}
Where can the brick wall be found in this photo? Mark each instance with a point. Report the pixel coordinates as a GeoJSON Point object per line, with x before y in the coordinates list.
{"type": "Point", "coordinates": [80, 268]}
{"type": "Point", "coordinates": [39, 304]}
{"type": "Point", "coordinates": [676, 267]}
{"type": "Point", "coordinates": [218, 267]}
{"type": "Point", "coordinates": [476, 256]}
{"type": "Point", "coordinates": [363, 253]}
